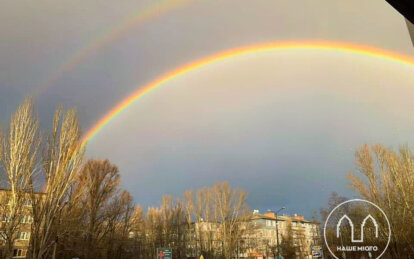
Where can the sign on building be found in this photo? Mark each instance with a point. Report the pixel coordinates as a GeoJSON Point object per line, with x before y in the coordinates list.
{"type": "Point", "coordinates": [317, 251]}
{"type": "Point", "coordinates": [164, 253]}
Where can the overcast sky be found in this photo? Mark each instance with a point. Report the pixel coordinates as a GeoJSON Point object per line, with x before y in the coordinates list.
{"type": "Point", "coordinates": [282, 125]}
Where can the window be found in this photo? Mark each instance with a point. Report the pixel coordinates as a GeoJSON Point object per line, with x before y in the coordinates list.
{"type": "Point", "coordinates": [6, 217]}
{"type": "Point", "coordinates": [19, 253]}
{"type": "Point", "coordinates": [268, 223]}
{"type": "Point", "coordinates": [27, 202]}
{"type": "Point", "coordinates": [26, 219]}
{"type": "Point", "coordinates": [23, 235]}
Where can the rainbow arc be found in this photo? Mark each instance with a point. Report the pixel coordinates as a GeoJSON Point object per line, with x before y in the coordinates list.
{"type": "Point", "coordinates": [323, 46]}
{"type": "Point", "coordinates": [98, 42]}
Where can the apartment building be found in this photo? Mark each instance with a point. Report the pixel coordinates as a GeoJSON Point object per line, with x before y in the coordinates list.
{"type": "Point", "coordinates": [269, 231]}
{"type": "Point", "coordinates": [20, 223]}
{"type": "Point", "coordinates": [259, 240]}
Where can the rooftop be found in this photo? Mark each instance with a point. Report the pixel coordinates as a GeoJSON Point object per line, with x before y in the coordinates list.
{"type": "Point", "coordinates": [272, 216]}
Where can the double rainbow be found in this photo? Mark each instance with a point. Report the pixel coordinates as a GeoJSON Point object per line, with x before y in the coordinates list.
{"type": "Point", "coordinates": [332, 46]}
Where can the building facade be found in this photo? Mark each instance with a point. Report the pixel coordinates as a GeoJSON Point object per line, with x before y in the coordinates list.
{"type": "Point", "coordinates": [272, 234]}
{"type": "Point", "coordinates": [15, 227]}
{"type": "Point", "coordinates": [263, 233]}
{"type": "Point", "coordinates": [261, 236]}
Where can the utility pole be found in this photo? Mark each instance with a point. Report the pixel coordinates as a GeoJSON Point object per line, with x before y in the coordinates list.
{"type": "Point", "coordinates": [277, 232]}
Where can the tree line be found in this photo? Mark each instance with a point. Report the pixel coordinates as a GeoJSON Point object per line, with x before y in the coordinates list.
{"type": "Point", "coordinates": [77, 208]}
{"type": "Point", "coordinates": [386, 178]}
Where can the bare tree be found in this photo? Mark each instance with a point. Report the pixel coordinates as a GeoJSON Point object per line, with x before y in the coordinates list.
{"type": "Point", "coordinates": [217, 218]}
{"type": "Point", "coordinates": [99, 182]}
{"type": "Point", "coordinates": [199, 208]}
{"type": "Point", "coordinates": [139, 233]}
{"type": "Point", "coordinates": [389, 183]}
{"type": "Point", "coordinates": [174, 224]}
{"type": "Point", "coordinates": [118, 223]}
{"type": "Point", "coordinates": [230, 211]}
{"type": "Point", "coordinates": [18, 155]}
{"type": "Point", "coordinates": [188, 201]}
{"type": "Point", "coordinates": [99, 218]}
{"type": "Point", "coordinates": [287, 246]}
{"type": "Point", "coordinates": [62, 160]}
{"type": "Point", "coordinates": [302, 243]}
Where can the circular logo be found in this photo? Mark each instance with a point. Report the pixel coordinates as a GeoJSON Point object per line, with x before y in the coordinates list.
{"type": "Point", "coordinates": [357, 228]}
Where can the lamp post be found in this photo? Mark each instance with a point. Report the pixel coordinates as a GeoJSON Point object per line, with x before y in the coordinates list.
{"type": "Point", "coordinates": [277, 232]}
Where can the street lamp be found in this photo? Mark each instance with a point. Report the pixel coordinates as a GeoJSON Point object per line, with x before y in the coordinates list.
{"type": "Point", "coordinates": [277, 232]}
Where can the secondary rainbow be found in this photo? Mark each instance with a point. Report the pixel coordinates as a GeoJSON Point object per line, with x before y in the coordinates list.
{"type": "Point", "coordinates": [332, 46]}
{"type": "Point", "coordinates": [111, 34]}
